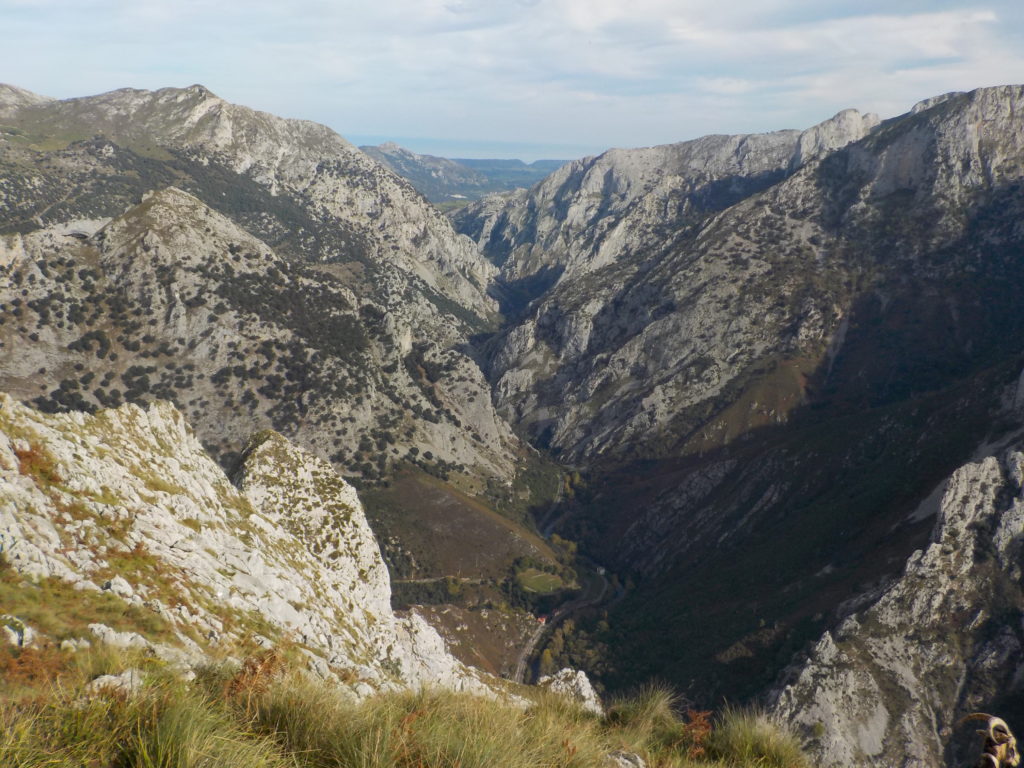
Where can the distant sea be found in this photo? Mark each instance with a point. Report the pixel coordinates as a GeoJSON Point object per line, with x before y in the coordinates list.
{"type": "Point", "coordinates": [472, 148]}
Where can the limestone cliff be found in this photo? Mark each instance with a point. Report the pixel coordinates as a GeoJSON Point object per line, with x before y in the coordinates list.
{"type": "Point", "coordinates": [944, 639]}
{"type": "Point", "coordinates": [126, 503]}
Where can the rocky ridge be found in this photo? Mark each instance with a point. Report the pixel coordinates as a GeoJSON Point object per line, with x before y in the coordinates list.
{"type": "Point", "coordinates": [606, 250]}
{"type": "Point", "coordinates": [660, 278]}
{"type": "Point", "coordinates": [759, 393]}
{"type": "Point", "coordinates": [12, 99]}
{"type": "Point", "coordinates": [174, 300]}
{"type": "Point", "coordinates": [375, 215]}
{"type": "Point", "coordinates": [127, 503]}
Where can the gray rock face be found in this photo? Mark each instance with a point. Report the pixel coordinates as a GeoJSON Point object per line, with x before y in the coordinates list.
{"type": "Point", "coordinates": [890, 684]}
{"type": "Point", "coordinates": [592, 211]}
{"type": "Point", "coordinates": [846, 127]}
{"type": "Point", "coordinates": [129, 498]}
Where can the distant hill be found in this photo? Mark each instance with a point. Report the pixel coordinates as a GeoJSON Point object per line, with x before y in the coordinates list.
{"type": "Point", "coordinates": [452, 181]}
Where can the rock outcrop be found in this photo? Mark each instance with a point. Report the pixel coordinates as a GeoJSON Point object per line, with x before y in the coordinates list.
{"type": "Point", "coordinates": [126, 503]}
{"type": "Point", "coordinates": [890, 684]}
{"type": "Point", "coordinates": [845, 128]}
{"type": "Point", "coordinates": [574, 684]}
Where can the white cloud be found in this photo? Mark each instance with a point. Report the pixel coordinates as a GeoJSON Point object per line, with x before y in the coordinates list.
{"type": "Point", "coordinates": [593, 71]}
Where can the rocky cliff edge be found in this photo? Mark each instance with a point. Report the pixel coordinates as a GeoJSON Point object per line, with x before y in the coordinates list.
{"type": "Point", "coordinates": [125, 505]}
{"type": "Point", "coordinates": [890, 684]}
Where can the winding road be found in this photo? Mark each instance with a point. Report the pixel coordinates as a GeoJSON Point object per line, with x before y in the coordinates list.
{"type": "Point", "coordinates": [585, 600]}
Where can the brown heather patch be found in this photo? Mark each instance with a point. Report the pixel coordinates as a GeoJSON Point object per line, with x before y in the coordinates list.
{"type": "Point", "coordinates": [254, 677]}
{"type": "Point", "coordinates": [37, 463]}
{"type": "Point", "coordinates": [32, 666]}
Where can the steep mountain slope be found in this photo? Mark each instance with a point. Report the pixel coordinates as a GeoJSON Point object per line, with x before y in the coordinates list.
{"type": "Point", "coordinates": [762, 360]}
{"type": "Point", "coordinates": [892, 682]}
{"type": "Point", "coordinates": [173, 300]}
{"type": "Point", "coordinates": [259, 273]}
{"type": "Point", "coordinates": [121, 516]}
{"type": "Point", "coordinates": [347, 239]}
{"type": "Point", "coordinates": [611, 246]}
{"type": "Point", "coordinates": [762, 352]}
{"type": "Point", "coordinates": [296, 184]}
{"type": "Point", "coordinates": [598, 211]}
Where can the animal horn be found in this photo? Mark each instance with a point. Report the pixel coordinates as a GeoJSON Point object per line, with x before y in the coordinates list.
{"type": "Point", "coordinates": [1000, 746]}
{"type": "Point", "coordinates": [977, 716]}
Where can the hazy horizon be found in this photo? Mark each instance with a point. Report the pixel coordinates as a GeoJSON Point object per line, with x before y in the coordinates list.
{"type": "Point", "coordinates": [479, 149]}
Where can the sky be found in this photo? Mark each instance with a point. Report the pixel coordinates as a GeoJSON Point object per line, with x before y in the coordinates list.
{"type": "Point", "coordinates": [523, 78]}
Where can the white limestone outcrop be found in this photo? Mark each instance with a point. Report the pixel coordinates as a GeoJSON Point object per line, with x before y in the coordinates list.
{"type": "Point", "coordinates": [126, 501]}
{"type": "Point", "coordinates": [890, 684]}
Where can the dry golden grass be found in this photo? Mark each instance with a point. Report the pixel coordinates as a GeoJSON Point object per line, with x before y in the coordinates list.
{"type": "Point", "coordinates": [263, 714]}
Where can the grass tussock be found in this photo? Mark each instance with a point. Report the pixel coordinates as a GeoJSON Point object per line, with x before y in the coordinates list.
{"type": "Point", "coordinates": [751, 737]}
{"type": "Point", "coordinates": [264, 714]}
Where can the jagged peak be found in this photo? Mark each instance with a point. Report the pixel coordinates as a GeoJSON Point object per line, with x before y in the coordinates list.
{"type": "Point", "coordinates": [845, 127]}
{"type": "Point", "coordinates": [201, 90]}
{"type": "Point", "coordinates": [934, 101]}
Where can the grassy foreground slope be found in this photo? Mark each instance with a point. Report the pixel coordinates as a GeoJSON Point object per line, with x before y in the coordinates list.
{"type": "Point", "coordinates": [262, 714]}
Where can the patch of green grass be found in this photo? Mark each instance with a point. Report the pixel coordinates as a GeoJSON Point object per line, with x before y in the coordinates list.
{"type": "Point", "coordinates": [534, 580]}
{"type": "Point", "coordinates": [55, 608]}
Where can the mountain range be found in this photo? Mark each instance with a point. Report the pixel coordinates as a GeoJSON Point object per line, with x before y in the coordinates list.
{"type": "Point", "coordinates": [768, 383]}
{"type": "Point", "coordinates": [451, 182]}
